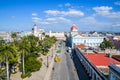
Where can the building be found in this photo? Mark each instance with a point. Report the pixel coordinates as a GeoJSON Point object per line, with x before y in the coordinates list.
{"type": "Point", "coordinates": [101, 61]}
{"type": "Point", "coordinates": [90, 40]}
{"type": "Point", "coordinates": [114, 73]}
{"type": "Point", "coordinates": [58, 35]}
{"type": "Point", "coordinates": [22, 34]}
{"type": "Point", "coordinates": [6, 36]}
{"type": "Point", "coordinates": [35, 31]}
{"type": "Point", "coordinates": [38, 32]}
{"type": "Point", "coordinates": [89, 67]}
{"type": "Point", "coordinates": [116, 42]}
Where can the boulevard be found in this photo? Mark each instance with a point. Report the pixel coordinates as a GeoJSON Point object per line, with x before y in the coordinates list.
{"type": "Point", "coordinates": [64, 70]}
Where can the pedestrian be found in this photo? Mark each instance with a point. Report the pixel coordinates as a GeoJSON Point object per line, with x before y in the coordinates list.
{"type": "Point", "coordinates": [53, 68]}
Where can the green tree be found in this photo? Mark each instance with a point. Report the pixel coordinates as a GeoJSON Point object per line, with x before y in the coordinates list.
{"type": "Point", "coordinates": [8, 51]}
{"type": "Point", "coordinates": [46, 44]}
{"type": "Point", "coordinates": [24, 50]}
{"type": "Point", "coordinates": [14, 35]}
{"type": "Point", "coordinates": [32, 64]}
{"type": "Point", "coordinates": [106, 44]}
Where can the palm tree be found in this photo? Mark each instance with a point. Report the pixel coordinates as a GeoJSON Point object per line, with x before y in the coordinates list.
{"type": "Point", "coordinates": [14, 35]}
{"type": "Point", "coordinates": [7, 51]}
{"type": "Point", "coordinates": [24, 49]}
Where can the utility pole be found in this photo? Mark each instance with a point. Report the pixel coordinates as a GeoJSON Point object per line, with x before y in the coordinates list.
{"type": "Point", "coordinates": [47, 61]}
{"type": "Point", "coordinates": [52, 52]}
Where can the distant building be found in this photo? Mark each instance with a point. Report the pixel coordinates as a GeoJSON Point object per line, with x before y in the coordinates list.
{"type": "Point", "coordinates": [35, 32]}
{"type": "Point", "coordinates": [6, 36]}
{"type": "Point", "coordinates": [38, 32]}
{"type": "Point", "coordinates": [90, 40]}
{"type": "Point", "coordinates": [116, 42]}
{"type": "Point", "coordinates": [22, 34]}
{"type": "Point", "coordinates": [58, 35]}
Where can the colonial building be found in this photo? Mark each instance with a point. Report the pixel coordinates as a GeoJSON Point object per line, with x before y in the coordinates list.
{"type": "Point", "coordinates": [58, 35]}
{"type": "Point", "coordinates": [90, 40]}
{"type": "Point", "coordinates": [38, 32]}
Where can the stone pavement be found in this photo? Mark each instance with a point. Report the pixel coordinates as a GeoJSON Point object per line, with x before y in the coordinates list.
{"type": "Point", "coordinates": [44, 72]}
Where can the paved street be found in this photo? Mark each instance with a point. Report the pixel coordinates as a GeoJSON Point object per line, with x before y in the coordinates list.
{"type": "Point", "coordinates": [64, 70]}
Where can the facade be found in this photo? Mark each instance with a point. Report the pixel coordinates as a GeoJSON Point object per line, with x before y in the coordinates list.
{"type": "Point", "coordinates": [90, 69]}
{"type": "Point", "coordinates": [35, 32]}
{"type": "Point", "coordinates": [76, 38]}
{"type": "Point", "coordinates": [116, 42]}
{"type": "Point", "coordinates": [5, 36]}
{"type": "Point", "coordinates": [58, 35]}
{"type": "Point", "coordinates": [114, 73]}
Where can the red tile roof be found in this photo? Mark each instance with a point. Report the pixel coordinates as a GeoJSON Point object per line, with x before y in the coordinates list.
{"type": "Point", "coordinates": [80, 46]}
{"type": "Point", "coordinates": [100, 59]}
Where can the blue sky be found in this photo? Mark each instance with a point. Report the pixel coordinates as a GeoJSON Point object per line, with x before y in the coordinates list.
{"type": "Point", "coordinates": [59, 15]}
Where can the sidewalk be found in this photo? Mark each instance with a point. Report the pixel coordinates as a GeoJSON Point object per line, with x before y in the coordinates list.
{"type": "Point", "coordinates": [44, 72]}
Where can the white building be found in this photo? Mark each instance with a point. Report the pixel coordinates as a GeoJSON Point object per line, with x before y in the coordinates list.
{"type": "Point", "coordinates": [58, 35]}
{"type": "Point", "coordinates": [38, 32]}
{"type": "Point", "coordinates": [76, 38]}
{"type": "Point", "coordinates": [35, 32]}
{"type": "Point", "coordinates": [6, 36]}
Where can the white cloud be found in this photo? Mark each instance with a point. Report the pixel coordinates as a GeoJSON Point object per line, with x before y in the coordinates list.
{"type": "Point", "coordinates": [106, 12]}
{"type": "Point", "coordinates": [44, 23]}
{"type": "Point", "coordinates": [103, 10]}
{"type": "Point", "coordinates": [114, 15]}
{"type": "Point", "coordinates": [67, 4]}
{"type": "Point", "coordinates": [92, 21]}
{"type": "Point", "coordinates": [71, 12]}
{"type": "Point", "coordinates": [34, 14]}
{"type": "Point", "coordinates": [116, 25]}
{"type": "Point", "coordinates": [58, 19]}
{"type": "Point", "coordinates": [51, 19]}
{"type": "Point", "coordinates": [52, 12]}
{"type": "Point", "coordinates": [88, 20]}
{"type": "Point", "coordinates": [64, 19]}
{"type": "Point", "coordinates": [117, 3]}
{"type": "Point", "coordinates": [36, 19]}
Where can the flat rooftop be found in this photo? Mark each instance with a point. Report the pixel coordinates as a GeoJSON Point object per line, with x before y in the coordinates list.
{"type": "Point", "coordinates": [100, 59]}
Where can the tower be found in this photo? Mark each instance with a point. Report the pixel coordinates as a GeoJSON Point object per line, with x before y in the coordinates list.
{"type": "Point", "coordinates": [74, 30]}
{"type": "Point", "coordinates": [35, 30]}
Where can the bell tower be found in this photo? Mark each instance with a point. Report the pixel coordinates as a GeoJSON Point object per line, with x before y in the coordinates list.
{"type": "Point", "coordinates": [35, 30]}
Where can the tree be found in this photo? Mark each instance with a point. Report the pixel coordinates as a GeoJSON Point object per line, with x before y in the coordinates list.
{"type": "Point", "coordinates": [8, 51]}
{"type": "Point", "coordinates": [32, 64]}
{"type": "Point", "coordinates": [24, 49]}
{"type": "Point", "coordinates": [14, 36]}
{"type": "Point", "coordinates": [106, 44]}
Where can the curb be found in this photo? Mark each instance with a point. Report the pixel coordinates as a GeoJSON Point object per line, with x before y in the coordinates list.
{"type": "Point", "coordinates": [49, 70]}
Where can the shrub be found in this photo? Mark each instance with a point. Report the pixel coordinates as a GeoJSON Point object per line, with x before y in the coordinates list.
{"type": "Point", "coordinates": [26, 75]}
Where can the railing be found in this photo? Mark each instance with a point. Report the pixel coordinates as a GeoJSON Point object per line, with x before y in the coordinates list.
{"type": "Point", "coordinates": [97, 74]}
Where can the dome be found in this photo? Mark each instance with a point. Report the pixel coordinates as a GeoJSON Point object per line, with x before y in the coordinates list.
{"type": "Point", "coordinates": [74, 28]}
{"type": "Point", "coordinates": [35, 25]}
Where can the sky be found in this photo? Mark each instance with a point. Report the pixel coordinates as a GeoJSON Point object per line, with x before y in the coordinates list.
{"type": "Point", "coordinates": [60, 15]}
